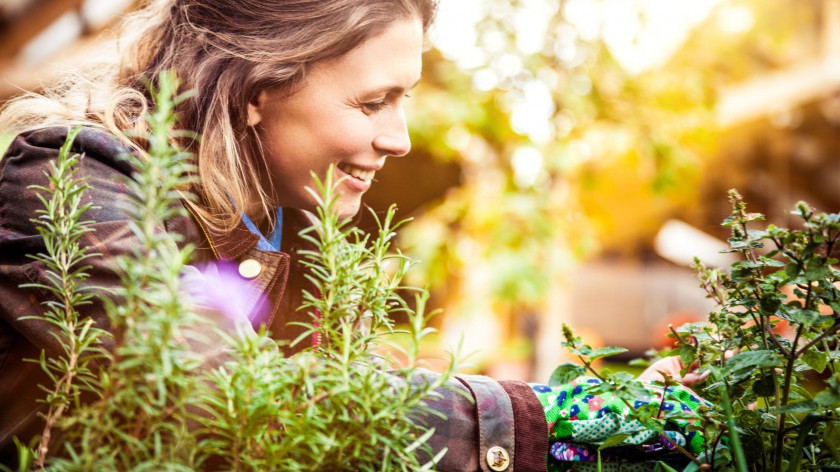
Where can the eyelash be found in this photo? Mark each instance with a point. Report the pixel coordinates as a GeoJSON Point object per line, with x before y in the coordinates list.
{"type": "Point", "coordinates": [373, 107]}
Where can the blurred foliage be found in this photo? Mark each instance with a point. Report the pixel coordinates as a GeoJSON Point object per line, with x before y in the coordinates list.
{"type": "Point", "coordinates": [564, 151]}
{"type": "Point", "coordinates": [5, 140]}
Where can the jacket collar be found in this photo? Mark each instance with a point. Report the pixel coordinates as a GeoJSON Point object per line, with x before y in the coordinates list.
{"type": "Point", "coordinates": [233, 244]}
{"type": "Point", "coordinates": [226, 246]}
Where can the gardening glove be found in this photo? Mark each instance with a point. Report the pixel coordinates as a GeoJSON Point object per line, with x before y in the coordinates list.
{"type": "Point", "coordinates": [579, 421]}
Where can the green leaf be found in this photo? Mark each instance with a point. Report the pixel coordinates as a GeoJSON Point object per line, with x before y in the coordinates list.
{"type": "Point", "coordinates": [799, 407]}
{"type": "Point", "coordinates": [663, 467]}
{"type": "Point", "coordinates": [817, 270]}
{"type": "Point", "coordinates": [768, 262]}
{"type": "Point", "coordinates": [749, 419]}
{"type": "Point", "coordinates": [805, 317]}
{"type": "Point", "coordinates": [769, 304]}
{"type": "Point", "coordinates": [753, 360]}
{"type": "Point", "coordinates": [613, 440]}
{"type": "Point", "coordinates": [792, 270]}
{"type": "Point", "coordinates": [565, 373]}
{"type": "Point", "coordinates": [691, 467]}
{"type": "Point", "coordinates": [764, 386]}
{"type": "Point", "coordinates": [817, 360]}
{"type": "Point", "coordinates": [827, 398]}
{"type": "Point", "coordinates": [606, 352]}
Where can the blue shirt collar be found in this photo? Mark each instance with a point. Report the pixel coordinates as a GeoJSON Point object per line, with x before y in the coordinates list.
{"type": "Point", "coordinates": [272, 242]}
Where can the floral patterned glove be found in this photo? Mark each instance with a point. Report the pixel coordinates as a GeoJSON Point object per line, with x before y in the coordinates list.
{"type": "Point", "coordinates": [580, 421]}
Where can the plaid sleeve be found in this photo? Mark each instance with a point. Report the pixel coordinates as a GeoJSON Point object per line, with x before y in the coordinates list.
{"type": "Point", "coordinates": [480, 421]}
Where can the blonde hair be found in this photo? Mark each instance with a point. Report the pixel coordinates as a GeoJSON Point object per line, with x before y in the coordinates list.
{"type": "Point", "coordinates": [227, 52]}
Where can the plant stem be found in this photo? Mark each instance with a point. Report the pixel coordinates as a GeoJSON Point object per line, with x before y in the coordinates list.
{"type": "Point", "coordinates": [733, 431]}
{"type": "Point", "coordinates": [825, 334]}
{"type": "Point", "coordinates": [773, 338]}
{"type": "Point", "coordinates": [781, 420]}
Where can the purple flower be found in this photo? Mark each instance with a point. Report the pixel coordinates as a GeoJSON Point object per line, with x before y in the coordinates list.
{"type": "Point", "coordinates": [219, 287]}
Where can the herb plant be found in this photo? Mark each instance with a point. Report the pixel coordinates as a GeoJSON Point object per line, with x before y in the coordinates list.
{"type": "Point", "coordinates": [61, 226]}
{"type": "Point", "coordinates": [157, 392]}
{"type": "Point", "coordinates": [770, 348]}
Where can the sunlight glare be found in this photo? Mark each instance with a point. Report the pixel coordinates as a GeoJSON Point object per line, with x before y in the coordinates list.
{"type": "Point", "coordinates": [641, 34]}
{"type": "Point", "coordinates": [532, 112]}
{"type": "Point", "coordinates": [454, 32]}
{"type": "Point", "coordinates": [527, 163]}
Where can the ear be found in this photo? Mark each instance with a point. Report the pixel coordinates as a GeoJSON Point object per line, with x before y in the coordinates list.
{"type": "Point", "coordinates": [255, 107]}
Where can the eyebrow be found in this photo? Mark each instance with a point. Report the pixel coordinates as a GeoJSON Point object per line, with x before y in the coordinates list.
{"type": "Point", "coordinates": [391, 89]}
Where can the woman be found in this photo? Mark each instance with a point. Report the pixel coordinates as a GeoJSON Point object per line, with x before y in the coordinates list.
{"type": "Point", "coordinates": [282, 88]}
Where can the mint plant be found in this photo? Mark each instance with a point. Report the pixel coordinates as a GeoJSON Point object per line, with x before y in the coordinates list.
{"type": "Point", "coordinates": [779, 314]}
{"type": "Point", "coordinates": [647, 414]}
{"type": "Point", "coordinates": [770, 347]}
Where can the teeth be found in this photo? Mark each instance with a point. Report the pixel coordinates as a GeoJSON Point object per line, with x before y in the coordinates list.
{"type": "Point", "coordinates": [361, 174]}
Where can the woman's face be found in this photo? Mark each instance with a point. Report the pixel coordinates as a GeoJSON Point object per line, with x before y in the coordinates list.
{"type": "Point", "coordinates": [348, 112]}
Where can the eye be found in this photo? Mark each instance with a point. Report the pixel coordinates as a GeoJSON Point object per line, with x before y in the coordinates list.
{"type": "Point", "coordinates": [373, 107]}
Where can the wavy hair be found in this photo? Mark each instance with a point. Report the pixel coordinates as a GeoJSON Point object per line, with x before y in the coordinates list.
{"type": "Point", "coordinates": [227, 52]}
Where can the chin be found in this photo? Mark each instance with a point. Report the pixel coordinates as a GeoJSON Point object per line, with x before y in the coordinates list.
{"type": "Point", "coordinates": [347, 209]}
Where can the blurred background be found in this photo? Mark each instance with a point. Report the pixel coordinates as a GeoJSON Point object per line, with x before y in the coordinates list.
{"type": "Point", "coordinates": [570, 157]}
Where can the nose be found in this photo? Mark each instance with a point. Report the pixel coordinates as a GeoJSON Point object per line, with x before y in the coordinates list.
{"type": "Point", "coordinates": [392, 138]}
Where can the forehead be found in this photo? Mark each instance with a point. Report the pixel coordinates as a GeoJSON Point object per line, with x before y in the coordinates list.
{"type": "Point", "coordinates": [393, 57]}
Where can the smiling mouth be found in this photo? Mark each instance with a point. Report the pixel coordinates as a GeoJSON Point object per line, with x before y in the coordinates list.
{"type": "Point", "coordinates": [360, 174]}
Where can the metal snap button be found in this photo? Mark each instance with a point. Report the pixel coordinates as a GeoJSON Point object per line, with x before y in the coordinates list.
{"type": "Point", "coordinates": [498, 458]}
{"type": "Point", "coordinates": [250, 268]}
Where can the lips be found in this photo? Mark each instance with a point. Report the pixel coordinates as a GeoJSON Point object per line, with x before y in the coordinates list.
{"type": "Point", "coordinates": [365, 175]}
{"type": "Point", "coordinates": [355, 179]}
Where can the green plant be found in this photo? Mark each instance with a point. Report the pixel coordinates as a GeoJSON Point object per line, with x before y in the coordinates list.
{"type": "Point", "coordinates": [779, 314]}
{"type": "Point", "coordinates": [335, 406]}
{"type": "Point", "coordinates": [646, 412]}
{"type": "Point", "coordinates": [137, 412]}
{"type": "Point", "coordinates": [161, 399]}
{"type": "Point", "coordinates": [61, 226]}
{"type": "Point", "coordinates": [770, 347]}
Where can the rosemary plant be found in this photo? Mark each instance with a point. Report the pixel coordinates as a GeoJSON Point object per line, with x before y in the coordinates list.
{"type": "Point", "coordinates": [335, 406]}
{"type": "Point", "coordinates": [61, 225]}
{"type": "Point", "coordinates": [160, 400]}
{"type": "Point", "coordinates": [138, 418]}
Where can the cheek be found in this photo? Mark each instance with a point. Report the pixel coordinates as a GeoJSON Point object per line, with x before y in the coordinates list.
{"type": "Point", "coordinates": [348, 136]}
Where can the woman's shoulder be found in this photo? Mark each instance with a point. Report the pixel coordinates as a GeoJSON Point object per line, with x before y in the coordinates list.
{"type": "Point", "coordinates": [41, 145]}
{"type": "Point", "coordinates": [31, 158]}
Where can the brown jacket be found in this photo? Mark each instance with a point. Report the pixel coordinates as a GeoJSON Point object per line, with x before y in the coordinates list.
{"type": "Point", "coordinates": [503, 414]}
